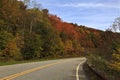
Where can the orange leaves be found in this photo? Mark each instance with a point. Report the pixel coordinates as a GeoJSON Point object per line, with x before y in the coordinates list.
{"type": "Point", "coordinates": [65, 27]}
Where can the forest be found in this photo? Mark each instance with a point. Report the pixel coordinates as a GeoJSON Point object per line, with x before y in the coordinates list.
{"type": "Point", "coordinates": [34, 33]}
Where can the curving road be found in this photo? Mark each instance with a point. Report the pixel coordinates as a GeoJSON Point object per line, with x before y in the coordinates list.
{"type": "Point", "coordinates": [62, 69]}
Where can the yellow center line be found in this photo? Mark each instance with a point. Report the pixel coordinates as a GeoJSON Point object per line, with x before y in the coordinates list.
{"type": "Point", "coordinates": [30, 70]}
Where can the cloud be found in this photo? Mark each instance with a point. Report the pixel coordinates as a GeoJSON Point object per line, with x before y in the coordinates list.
{"type": "Point", "coordinates": [96, 13]}
{"type": "Point", "coordinates": [98, 21]}
{"type": "Point", "coordinates": [89, 5]}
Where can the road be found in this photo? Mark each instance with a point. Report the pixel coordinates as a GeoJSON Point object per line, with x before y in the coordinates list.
{"type": "Point", "coordinates": [62, 69]}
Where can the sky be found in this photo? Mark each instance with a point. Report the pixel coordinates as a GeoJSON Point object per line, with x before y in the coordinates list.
{"type": "Point", "coordinates": [98, 14]}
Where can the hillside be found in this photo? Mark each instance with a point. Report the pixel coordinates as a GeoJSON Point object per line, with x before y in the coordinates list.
{"type": "Point", "coordinates": [33, 33]}
{"type": "Point", "coordinates": [27, 34]}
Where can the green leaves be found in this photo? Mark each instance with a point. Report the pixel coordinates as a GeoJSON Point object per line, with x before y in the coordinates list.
{"type": "Point", "coordinates": [33, 33]}
{"type": "Point", "coordinates": [5, 37]}
{"type": "Point", "coordinates": [32, 46]}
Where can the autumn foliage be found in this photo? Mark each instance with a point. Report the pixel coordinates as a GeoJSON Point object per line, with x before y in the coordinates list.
{"type": "Point", "coordinates": [33, 33]}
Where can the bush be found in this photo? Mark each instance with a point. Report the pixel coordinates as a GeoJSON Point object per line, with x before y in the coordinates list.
{"type": "Point", "coordinates": [109, 69]}
{"type": "Point", "coordinates": [32, 47]}
{"type": "Point", "coordinates": [9, 49]}
{"type": "Point", "coordinates": [98, 62]}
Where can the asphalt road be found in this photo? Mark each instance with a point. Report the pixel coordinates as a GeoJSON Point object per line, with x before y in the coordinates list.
{"type": "Point", "coordinates": [62, 69]}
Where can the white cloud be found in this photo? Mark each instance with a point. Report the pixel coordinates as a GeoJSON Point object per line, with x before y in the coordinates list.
{"type": "Point", "coordinates": [92, 14]}
{"type": "Point", "coordinates": [90, 5]}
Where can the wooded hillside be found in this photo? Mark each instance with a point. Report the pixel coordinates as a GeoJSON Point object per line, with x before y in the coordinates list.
{"type": "Point", "coordinates": [34, 33]}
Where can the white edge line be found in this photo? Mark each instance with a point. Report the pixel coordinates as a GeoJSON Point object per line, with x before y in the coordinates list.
{"type": "Point", "coordinates": [77, 71]}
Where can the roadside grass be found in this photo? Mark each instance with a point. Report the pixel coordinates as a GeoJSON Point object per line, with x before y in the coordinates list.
{"type": "Point", "coordinates": [25, 61]}
{"type": "Point", "coordinates": [17, 62]}
{"type": "Point", "coordinates": [3, 63]}
{"type": "Point", "coordinates": [102, 66]}
{"type": "Point", "coordinates": [89, 74]}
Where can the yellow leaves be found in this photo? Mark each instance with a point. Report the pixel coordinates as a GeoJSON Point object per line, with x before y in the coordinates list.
{"type": "Point", "coordinates": [116, 57]}
{"type": "Point", "coordinates": [68, 45]}
{"type": "Point", "coordinates": [115, 64]}
{"type": "Point", "coordinates": [118, 49]}
{"type": "Point", "coordinates": [11, 50]}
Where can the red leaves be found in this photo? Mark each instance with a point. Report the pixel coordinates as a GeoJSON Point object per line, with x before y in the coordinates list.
{"type": "Point", "coordinates": [61, 26]}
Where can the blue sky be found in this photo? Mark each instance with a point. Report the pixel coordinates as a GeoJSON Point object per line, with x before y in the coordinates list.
{"type": "Point", "coordinates": [97, 14]}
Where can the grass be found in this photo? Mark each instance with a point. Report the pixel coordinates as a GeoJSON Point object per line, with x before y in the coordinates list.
{"type": "Point", "coordinates": [34, 60]}
{"type": "Point", "coordinates": [89, 74]}
{"type": "Point", "coordinates": [26, 61]}
{"type": "Point", "coordinates": [16, 62]}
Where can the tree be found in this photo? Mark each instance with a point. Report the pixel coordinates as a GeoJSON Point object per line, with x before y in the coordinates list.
{"type": "Point", "coordinates": [10, 13]}
{"type": "Point", "coordinates": [115, 62]}
{"type": "Point", "coordinates": [9, 46]}
{"type": "Point", "coordinates": [116, 25]}
{"type": "Point", "coordinates": [32, 47]}
{"type": "Point", "coordinates": [5, 37]}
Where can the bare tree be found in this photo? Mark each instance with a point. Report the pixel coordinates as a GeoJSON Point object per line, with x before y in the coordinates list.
{"type": "Point", "coordinates": [116, 25]}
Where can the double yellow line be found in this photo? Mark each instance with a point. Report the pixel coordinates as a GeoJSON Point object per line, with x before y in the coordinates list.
{"type": "Point", "coordinates": [30, 70]}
